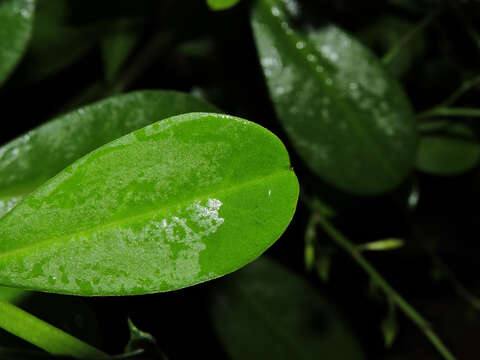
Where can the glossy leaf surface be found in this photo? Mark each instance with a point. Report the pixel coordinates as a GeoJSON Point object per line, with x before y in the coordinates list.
{"type": "Point", "coordinates": [264, 312]}
{"type": "Point", "coordinates": [452, 152]}
{"type": "Point", "coordinates": [16, 18]}
{"type": "Point", "coordinates": [345, 115]}
{"type": "Point", "coordinates": [176, 203]}
{"type": "Point", "coordinates": [33, 158]}
{"type": "Point", "coordinates": [221, 4]}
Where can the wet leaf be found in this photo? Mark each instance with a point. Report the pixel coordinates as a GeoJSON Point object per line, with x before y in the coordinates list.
{"type": "Point", "coordinates": [16, 18]}
{"type": "Point", "coordinates": [264, 312]}
{"type": "Point", "coordinates": [221, 4]}
{"type": "Point", "coordinates": [451, 152]}
{"type": "Point", "coordinates": [33, 158]}
{"type": "Point", "coordinates": [179, 202]}
{"type": "Point", "coordinates": [346, 116]}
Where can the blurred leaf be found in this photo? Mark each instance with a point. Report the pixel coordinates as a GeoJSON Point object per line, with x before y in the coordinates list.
{"type": "Point", "coordinates": [55, 43]}
{"type": "Point", "coordinates": [16, 19]}
{"type": "Point", "coordinates": [116, 48]}
{"type": "Point", "coordinates": [264, 312]}
{"type": "Point", "coordinates": [324, 262]}
{"type": "Point", "coordinates": [179, 202]}
{"type": "Point", "coordinates": [382, 245]}
{"type": "Point", "coordinates": [453, 151]}
{"type": "Point", "coordinates": [389, 325]}
{"type": "Point", "coordinates": [346, 116]}
{"type": "Point", "coordinates": [221, 4]}
{"type": "Point", "coordinates": [382, 36]}
{"type": "Point", "coordinates": [33, 158]}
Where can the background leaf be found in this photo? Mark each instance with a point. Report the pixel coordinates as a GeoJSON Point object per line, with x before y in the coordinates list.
{"type": "Point", "coordinates": [179, 202]}
{"type": "Point", "coordinates": [16, 18]}
{"type": "Point", "coordinates": [116, 48]}
{"type": "Point", "coordinates": [453, 151]}
{"type": "Point", "coordinates": [31, 159]}
{"type": "Point", "coordinates": [345, 115]}
{"type": "Point", "coordinates": [265, 312]}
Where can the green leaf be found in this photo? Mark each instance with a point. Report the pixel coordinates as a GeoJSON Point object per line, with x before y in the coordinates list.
{"type": "Point", "coordinates": [16, 18]}
{"type": "Point", "coordinates": [179, 202]}
{"type": "Point", "coordinates": [451, 152]}
{"type": "Point", "coordinates": [264, 312]}
{"type": "Point", "coordinates": [35, 157]}
{"type": "Point", "coordinates": [382, 245]}
{"type": "Point", "coordinates": [217, 5]}
{"type": "Point", "coordinates": [345, 115]}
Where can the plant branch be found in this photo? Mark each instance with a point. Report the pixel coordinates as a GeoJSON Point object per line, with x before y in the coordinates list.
{"type": "Point", "coordinates": [402, 304]}
{"type": "Point", "coordinates": [446, 111]}
{"type": "Point", "coordinates": [42, 334]}
{"type": "Point", "coordinates": [459, 288]}
{"type": "Point", "coordinates": [395, 50]}
{"type": "Point", "coordinates": [462, 89]}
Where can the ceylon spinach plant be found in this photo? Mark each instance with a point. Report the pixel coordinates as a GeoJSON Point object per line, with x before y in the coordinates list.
{"type": "Point", "coordinates": [126, 191]}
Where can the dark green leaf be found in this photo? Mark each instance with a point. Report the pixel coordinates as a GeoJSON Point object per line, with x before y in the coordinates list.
{"type": "Point", "coordinates": [31, 159]}
{"type": "Point", "coordinates": [346, 116]}
{"type": "Point", "coordinates": [221, 4]}
{"type": "Point", "coordinates": [179, 202]}
{"type": "Point", "coordinates": [116, 48]}
{"type": "Point", "coordinates": [16, 18]}
{"type": "Point", "coordinates": [264, 312]}
{"type": "Point", "coordinates": [452, 152]}
{"type": "Point", "coordinates": [53, 31]}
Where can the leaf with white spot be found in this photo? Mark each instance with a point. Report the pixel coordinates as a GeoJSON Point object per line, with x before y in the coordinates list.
{"type": "Point", "coordinates": [31, 159]}
{"type": "Point", "coordinates": [346, 116]}
{"type": "Point", "coordinates": [179, 202]}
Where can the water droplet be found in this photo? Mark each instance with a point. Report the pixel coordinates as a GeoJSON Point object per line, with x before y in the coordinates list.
{"type": "Point", "coordinates": [311, 57]}
{"type": "Point", "coordinates": [300, 45]}
{"type": "Point", "coordinates": [275, 11]}
{"type": "Point", "coordinates": [328, 81]}
{"type": "Point", "coordinates": [319, 68]}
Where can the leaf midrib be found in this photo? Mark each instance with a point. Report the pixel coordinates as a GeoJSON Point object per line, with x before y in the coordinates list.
{"type": "Point", "coordinates": [104, 226]}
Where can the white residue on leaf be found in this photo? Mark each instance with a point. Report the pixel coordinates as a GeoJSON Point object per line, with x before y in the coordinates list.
{"type": "Point", "coordinates": [161, 253]}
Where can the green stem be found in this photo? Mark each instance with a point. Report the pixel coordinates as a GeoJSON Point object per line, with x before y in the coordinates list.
{"type": "Point", "coordinates": [395, 50]}
{"type": "Point", "coordinates": [459, 288]}
{"type": "Point", "coordinates": [42, 334]}
{"type": "Point", "coordinates": [462, 89]}
{"type": "Point", "coordinates": [445, 111]}
{"type": "Point", "coordinates": [402, 304]}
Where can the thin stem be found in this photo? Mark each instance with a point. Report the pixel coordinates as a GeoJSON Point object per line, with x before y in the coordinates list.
{"type": "Point", "coordinates": [402, 304]}
{"type": "Point", "coordinates": [445, 111]}
{"type": "Point", "coordinates": [462, 89]}
{"type": "Point", "coordinates": [42, 334]}
{"type": "Point", "coordinates": [459, 288]}
{"type": "Point", "coordinates": [395, 50]}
